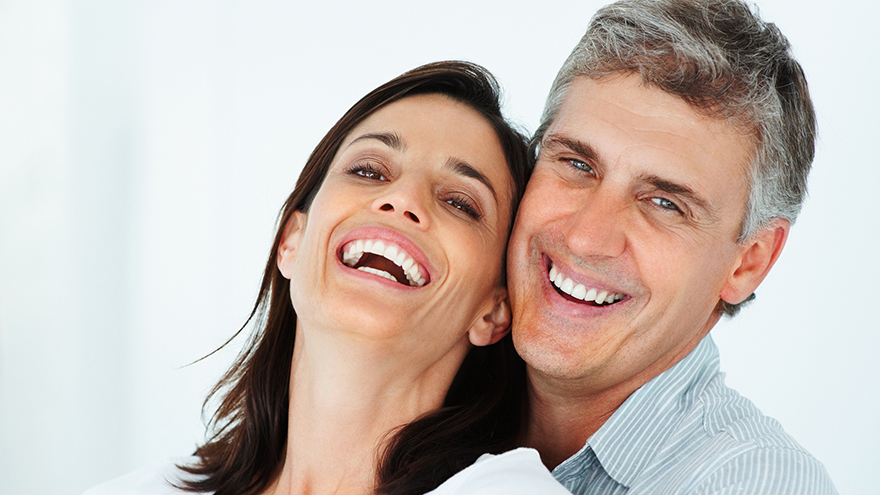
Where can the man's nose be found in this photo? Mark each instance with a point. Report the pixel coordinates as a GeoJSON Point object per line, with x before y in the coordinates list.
{"type": "Point", "coordinates": [597, 227]}
{"type": "Point", "coordinates": [406, 200]}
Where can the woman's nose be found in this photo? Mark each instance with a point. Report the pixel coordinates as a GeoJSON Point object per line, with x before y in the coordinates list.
{"type": "Point", "coordinates": [406, 201]}
{"type": "Point", "coordinates": [390, 207]}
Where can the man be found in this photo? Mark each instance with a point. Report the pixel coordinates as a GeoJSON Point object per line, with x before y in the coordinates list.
{"type": "Point", "coordinates": [672, 159]}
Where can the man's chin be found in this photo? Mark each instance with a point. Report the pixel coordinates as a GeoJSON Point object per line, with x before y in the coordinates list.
{"type": "Point", "coordinates": [549, 354]}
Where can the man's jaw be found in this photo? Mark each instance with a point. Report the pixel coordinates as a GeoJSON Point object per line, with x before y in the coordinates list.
{"type": "Point", "coordinates": [581, 293]}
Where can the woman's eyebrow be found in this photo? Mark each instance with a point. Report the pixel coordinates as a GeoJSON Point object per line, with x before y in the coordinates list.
{"type": "Point", "coordinates": [461, 167]}
{"type": "Point", "coordinates": [390, 139]}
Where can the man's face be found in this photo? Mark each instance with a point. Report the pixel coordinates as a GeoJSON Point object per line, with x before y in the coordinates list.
{"type": "Point", "coordinates": [634, 209]}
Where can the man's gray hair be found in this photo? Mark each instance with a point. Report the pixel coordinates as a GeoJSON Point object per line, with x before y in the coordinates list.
{"type": "Point", "coordinates": [726, 62]}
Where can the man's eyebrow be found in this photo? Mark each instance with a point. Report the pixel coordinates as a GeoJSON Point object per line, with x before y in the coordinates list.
{"type": "Point", "coordinates": [390, 139]}
{"type": "Point", "coordinates": [679, 190]}
{"type": "Point", "coordinates": [463, 168]}
{"type": "Point", "coordinates": [583, 149]}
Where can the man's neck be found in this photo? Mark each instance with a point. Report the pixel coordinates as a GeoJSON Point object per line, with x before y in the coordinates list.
{"type": "Point", "coordinates": [564, 413]}
{"type": "Point", "coordinates": [560, 423]}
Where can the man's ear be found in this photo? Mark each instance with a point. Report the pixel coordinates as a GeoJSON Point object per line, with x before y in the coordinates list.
{"type": "Point", "coordinates": [289, 246]}
{"type": "Point", "coordinates": [756, 256]}
{"type": "Point", "coordinates": [494, 324]}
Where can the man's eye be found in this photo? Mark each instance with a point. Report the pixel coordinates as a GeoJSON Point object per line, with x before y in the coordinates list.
{"type": "Point", "coordinates": [666, 204]}
{"type": "Point", "coordinates": [582, 166]}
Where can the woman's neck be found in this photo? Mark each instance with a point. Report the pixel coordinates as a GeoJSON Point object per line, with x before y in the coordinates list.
{"type": "Point", "coordinates": [346, 395]}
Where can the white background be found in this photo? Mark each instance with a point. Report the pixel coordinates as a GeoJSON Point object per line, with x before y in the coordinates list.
{"type": "Point", "coordinates": [145, 148]}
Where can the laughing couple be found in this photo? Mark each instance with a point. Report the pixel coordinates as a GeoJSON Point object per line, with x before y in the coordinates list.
{"type": "Point", "coordinates": [447, 309]}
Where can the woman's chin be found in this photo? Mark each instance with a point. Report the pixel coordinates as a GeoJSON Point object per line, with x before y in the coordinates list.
{"type": "Point", "coordinates": [355, 299]}
{"type": "Point", "coordinates": [362, 316]}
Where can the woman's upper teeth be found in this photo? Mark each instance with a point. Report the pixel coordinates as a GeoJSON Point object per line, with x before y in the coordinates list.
{"type": "Point", "coordinates": [579, 291]}
{"type": "Point", "coordinates": [354, 250]}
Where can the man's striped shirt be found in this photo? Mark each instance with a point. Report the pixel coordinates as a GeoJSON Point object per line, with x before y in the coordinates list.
{"type": "Point", "coordinates": [685, 432]}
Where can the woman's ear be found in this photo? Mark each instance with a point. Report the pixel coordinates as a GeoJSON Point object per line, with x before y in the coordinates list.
{"type": "Point", "coordinates": [290, 243]}
{"type": "Point", "coordinates": [754, 261]}
{"type": "Point", "coordinates": [494, 324]}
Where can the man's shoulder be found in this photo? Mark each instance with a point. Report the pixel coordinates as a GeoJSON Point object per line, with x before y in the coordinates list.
{"type": "Point", "coordinates": [727, 415]}
{"type": "Point", "coordinates": [725, 440]}
{"type": "Point", "coordinates": [687, 432]}
{"type": "Point", "coordinates": [700, 408]}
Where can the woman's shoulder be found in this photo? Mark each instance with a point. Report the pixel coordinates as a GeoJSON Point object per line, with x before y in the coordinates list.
{"type": "Point", "coordinates": [160, 479]}
{"type": "Point", "coordinates": [516, 472]}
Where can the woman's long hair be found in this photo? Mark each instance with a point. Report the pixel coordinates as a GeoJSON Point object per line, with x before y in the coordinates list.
{"type": "Point", "coordinates": [484, 408]}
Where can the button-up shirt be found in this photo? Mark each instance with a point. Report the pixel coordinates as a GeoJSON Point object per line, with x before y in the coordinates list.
{"type": "Point", "coordinates": [686, 432]}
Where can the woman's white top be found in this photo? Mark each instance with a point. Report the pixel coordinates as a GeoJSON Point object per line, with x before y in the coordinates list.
{"type": "Point", "coordinates": [517, 472]}
{"type": "Point", "coordinates": [154, 480]}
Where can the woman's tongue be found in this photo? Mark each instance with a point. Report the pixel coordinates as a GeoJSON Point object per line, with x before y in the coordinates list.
{"type": "Point", "coordinates": [382, 264]}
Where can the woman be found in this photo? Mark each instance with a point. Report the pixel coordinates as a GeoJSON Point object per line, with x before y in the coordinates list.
{"type": "Point", "coordinates": [372, 367]}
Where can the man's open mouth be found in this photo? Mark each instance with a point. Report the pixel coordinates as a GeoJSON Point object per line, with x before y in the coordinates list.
{"type": "Point", "coordinates": [384, 259]}
{"type": "Point", "coordinates": [567, 288]}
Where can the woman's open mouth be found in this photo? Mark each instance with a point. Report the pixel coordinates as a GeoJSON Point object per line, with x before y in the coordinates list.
{"type": "Point", "coordinates": [385, 259]}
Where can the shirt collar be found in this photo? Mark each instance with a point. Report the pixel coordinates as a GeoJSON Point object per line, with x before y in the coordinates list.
{"type": "Point", "coordinates": [629, 440]}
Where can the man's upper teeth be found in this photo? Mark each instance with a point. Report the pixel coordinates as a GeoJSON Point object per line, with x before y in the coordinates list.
{"type": "Point", "coordinates": [393, 253]}
{"type": "Point", "coordinates": [579, 291]}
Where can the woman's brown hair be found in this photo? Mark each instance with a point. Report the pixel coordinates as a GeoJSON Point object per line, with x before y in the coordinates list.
{"type": "Point", "coordinates": [484, 408]}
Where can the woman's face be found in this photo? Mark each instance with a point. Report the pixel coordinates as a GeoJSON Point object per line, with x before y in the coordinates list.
{"type": "Point", "coordinates": [404, 240]}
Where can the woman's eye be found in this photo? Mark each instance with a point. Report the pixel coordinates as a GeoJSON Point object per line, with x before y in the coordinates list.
{"type": "Point", "coordinates": [464, 205]}
{"type": "Point", "coordinates": [666, 204]}
{"type": "Point", "coordinates": [367, 172]}
{"type": "Point", "coordinates": [582, 166]}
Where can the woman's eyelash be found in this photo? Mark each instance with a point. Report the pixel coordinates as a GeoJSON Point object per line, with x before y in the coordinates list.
{"type": "Point", "coordinates": [367, 171]}
{"type": "Point", "coordinates": [462, 203]}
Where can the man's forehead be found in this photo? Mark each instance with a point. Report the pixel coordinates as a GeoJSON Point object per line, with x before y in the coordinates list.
{"type": "Point", "coordinates": [622, 110]}
{"type": "Point", "coordinates": [626, 99]}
